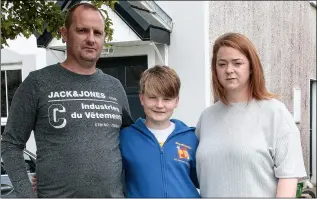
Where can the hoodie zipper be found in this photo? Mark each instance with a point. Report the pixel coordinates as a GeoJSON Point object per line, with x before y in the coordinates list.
{"type": "Point", "coordinates": [163, 171]}
{"type": "Point", "coordinates": [162, 156]}
{"type": "Point", "coordinates": [163, 161]}
{"type": "Point", "coordinates": [151, 136]}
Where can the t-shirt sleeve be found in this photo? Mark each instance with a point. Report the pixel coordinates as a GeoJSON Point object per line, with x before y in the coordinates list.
{"type": "Point", "coordinates": [21, 120]}
{"type": "Point", "coordinates": [288, 157]}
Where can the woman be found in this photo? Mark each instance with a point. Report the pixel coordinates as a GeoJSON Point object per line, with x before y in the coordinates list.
{"type": "Point", "coordinates": [249, 144]}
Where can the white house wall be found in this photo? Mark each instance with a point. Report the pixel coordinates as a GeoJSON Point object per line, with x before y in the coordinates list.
{"type": "Point", "coordinates": [28, 46]}
{"type": "Point", "coordinates": [54, 56]}
{"type": "Point", "coordinates": [188, 54]}
{"type": "Point", "coordinates": [124, 51]}
{"type": "Point", "coordinates": [23, 45]}
{"type": "Point", "coordinates": [10, 59]}
{"type": "Point", "coordinates": [122, 32]}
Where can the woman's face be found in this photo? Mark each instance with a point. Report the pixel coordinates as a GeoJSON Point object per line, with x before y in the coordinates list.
{"type": "Point", "coordinates": [233, 70]}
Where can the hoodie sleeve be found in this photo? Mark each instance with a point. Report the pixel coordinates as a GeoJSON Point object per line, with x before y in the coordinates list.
{"type": "Point", "coordinates": [193, 172]}
{"type": "Point", "coordinates": [193, 176]}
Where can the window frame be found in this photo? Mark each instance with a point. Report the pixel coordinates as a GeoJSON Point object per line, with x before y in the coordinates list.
{"type": "Point", "coordinates": [5, 68]}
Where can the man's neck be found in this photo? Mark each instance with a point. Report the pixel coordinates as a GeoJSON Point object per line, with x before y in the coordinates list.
{"type": "Point", "coordinates": [83, 68]}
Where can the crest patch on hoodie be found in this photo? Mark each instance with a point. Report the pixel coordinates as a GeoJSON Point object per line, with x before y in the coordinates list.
{"type": "Point", "coordinates": [182, 153]}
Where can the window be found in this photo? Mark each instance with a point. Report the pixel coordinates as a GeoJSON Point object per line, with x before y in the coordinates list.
{"type": "Point", "coordinates": [10, 81]}
{"type": "Point", "coordinates": [128, 71]}
{"type": "Point", "coordinates": [133, 75]}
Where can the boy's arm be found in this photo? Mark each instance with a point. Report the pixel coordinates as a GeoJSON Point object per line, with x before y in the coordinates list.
{"type": "Point", "coordinates": [21, 120]}
{"type": "Point", "coordinates": [193, 171]}
{"type": "Point", "coordinates": [193, 177]}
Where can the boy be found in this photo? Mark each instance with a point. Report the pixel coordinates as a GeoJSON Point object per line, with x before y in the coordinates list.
{"type": "Point", "coordinates": [158, 153]}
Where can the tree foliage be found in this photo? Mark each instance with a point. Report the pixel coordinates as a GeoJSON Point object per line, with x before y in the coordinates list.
{"type": "Point", "coordinates": [29, 16]}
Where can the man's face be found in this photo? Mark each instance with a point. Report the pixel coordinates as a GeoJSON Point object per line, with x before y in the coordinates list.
{"type": "Point", "coordinates": [85, 36]}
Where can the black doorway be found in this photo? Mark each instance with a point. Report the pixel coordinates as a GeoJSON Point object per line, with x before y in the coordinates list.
{"type": "Point", "coordinates": [128, 71]}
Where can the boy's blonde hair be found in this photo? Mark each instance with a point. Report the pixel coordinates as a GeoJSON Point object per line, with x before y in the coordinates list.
{"type": "Point", "coordinates": [160, 80]}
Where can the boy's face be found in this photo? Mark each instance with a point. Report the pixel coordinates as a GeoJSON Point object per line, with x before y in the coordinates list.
{"type": "Point", "coordinates": [157, 108]}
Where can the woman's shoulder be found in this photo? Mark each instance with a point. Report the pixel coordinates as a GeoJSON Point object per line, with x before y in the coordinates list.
{"type": "Point", "coordinates": [273, 105]}
{"type": "Point", "coordinates": [212, 110]}
{"type": "Point", "coordinates": [214, 107]}
{"type": "Point", "coordinates": [277, 110]}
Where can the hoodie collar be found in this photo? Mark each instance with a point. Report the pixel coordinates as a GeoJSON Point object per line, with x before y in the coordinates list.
{"type": "Point", "coordinates": [180, 127]}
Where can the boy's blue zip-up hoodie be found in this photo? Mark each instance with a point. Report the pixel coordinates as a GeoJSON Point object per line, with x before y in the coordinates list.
{"type": "Point", "coordinates": [155, 171]}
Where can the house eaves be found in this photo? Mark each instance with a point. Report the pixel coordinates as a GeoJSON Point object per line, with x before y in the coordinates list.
{"type": "Point", "coordinates": [138, 17]}
{"type": "Point", "coordinates": [143, 21]}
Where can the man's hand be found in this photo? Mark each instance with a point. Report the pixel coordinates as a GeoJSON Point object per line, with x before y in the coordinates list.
{"type": "Point", "coordinates": [34, 183]}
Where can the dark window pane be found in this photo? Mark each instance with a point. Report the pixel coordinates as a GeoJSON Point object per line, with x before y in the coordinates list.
{"type": "Point", "coordinates": [128, 71]}
{"type": "Point", "coordinates": [3, 95]}
{"type": "Point", "coordinates": [14, 79]}
{"type": "Point", "coordinates": [3, 171]}
{"type": "Point", "coordinates": [133, 74]}
{"type": "Point", "coordinates": [114, 72]}
{"type": "Point", "coordinates": [2, 129]}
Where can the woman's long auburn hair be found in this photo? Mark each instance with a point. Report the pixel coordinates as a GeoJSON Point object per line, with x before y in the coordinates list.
{"type": "Point", "coordinates": [241, 43]}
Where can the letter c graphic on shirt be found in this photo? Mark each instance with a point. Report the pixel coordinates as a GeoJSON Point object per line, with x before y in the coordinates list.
{"type": "Point", "coordinates": [54, 119]}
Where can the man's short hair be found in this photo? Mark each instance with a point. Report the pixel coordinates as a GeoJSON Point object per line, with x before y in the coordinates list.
{"type": "Point", "coordinates": [70, 12]}
{"type": "Point", "coordinates": [160, 80]}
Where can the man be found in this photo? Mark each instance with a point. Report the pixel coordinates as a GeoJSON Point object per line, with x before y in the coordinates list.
{"type": "Point", "coordinates": [76, 112]}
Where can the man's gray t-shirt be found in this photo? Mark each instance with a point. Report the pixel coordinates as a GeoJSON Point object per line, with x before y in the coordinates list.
{"type": "Point", "coordinates": [76, 121]}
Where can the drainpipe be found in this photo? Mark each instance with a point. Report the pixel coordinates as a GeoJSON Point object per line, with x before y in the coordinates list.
{"type": "Point", "coordinates": [165, 61]}
{"type": "Point", "coordinates": [166, 54]}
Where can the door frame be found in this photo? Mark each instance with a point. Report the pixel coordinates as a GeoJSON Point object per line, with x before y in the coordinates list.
{"type": "Point", "coordinates": [312, 129]}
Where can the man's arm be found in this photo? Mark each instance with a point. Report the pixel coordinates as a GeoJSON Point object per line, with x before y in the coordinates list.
{"type": "Point", "coordinates": [20, 123]}
{"type": "Point", "coordinates": [287, 187]}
